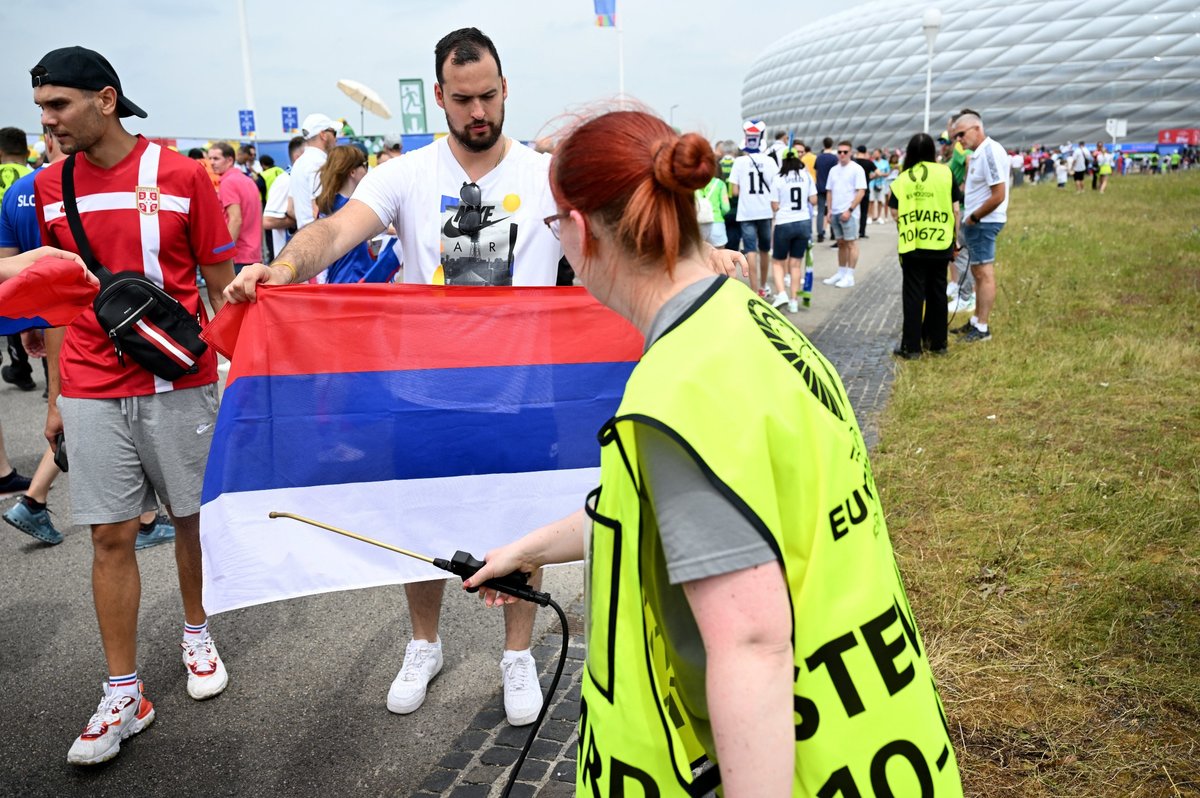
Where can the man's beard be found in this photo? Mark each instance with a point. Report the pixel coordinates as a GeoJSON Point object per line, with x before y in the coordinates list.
{"type": "Point", "coordinates": [483, 144]}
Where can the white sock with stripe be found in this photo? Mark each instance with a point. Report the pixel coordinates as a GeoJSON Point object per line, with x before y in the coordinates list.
{"type": "Point", "coordinates": [192, 633]}
{"type": "Point", "coordinates": [127, 684]}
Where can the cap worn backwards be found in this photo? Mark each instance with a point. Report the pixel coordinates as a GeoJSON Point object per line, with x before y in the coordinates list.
{"type": "Point", "coordinates": [81, 68]}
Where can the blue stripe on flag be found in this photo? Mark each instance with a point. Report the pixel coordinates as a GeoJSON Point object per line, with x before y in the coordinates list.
{"type": "Point", "coordinates": [331, 429]}
{"type": "Point", "coordinates": [11, 325]}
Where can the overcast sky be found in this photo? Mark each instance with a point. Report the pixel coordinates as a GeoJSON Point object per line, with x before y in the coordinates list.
{"type": "Point", "coordinates": [182, 62]}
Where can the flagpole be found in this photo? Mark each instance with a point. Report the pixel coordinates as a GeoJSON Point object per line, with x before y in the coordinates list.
{"type": "Point", "coordinates": [620, 58]}
{"type": "Point", "coordinates": [247, 80]}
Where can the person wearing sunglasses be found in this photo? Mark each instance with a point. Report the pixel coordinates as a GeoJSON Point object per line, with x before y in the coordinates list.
{"type": "Point", "coordinates": [845, 188]}
{"type": "Point", "coordinates": [985, 209]}
{"type": "Point", "coordinates": [744, 607]}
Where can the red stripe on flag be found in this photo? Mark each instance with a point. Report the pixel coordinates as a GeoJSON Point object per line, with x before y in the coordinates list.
{"type": "Point", "coordinates": [367, 328]}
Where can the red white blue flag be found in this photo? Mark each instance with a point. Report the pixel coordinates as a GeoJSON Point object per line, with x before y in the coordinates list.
{"type": "Point", "coordinates": [432, 418]}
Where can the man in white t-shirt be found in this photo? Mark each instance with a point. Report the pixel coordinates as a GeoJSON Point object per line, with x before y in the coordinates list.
{"type": "Point", "coordinates": [320, 136]}
{"type": "Point", "coordinates": [467, 210]}
{"type": "Point", "coordinates": [1079, 166]}
{"type": "Point", "coordinates": [985, 210]}
{"type": "Point", "coordinates": [750, 180]}
{"type": "Point", "coordinates": [845, 188]}
{"type": "Point", "coordinates": [279, 217]}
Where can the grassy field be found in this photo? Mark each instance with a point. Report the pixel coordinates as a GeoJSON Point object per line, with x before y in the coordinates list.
{"type": "Point", "coordinates": [1043, 491]}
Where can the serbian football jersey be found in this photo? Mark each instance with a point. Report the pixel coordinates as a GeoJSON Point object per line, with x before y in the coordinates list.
{"type": "Point", "coordinates": [154, 213]}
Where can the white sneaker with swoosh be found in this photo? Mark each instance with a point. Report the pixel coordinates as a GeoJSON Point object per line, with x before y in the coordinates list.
{"type": "Point", "coordinates": [206, 672]}
{"type": "Point", "coordinates": [118, 716]}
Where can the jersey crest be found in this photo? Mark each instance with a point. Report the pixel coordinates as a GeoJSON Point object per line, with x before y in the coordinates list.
{"type": "Point", "coordinates": [147, 200]}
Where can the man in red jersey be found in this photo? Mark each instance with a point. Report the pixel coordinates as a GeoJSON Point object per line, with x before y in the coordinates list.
{"type": "Point", "coordinates": [129, 433]}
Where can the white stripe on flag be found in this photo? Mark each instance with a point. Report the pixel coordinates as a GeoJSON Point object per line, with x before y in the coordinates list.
{"type": "Point", "coordinates": [251, 559]}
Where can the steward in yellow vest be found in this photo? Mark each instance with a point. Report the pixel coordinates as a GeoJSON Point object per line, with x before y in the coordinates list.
{"type": "Point", "coordinates": [867, 714]}
{"type": "Point", "coordinates": [926, 213]}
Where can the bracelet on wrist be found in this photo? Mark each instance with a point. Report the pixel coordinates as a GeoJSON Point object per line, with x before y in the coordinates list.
{"type": "Point", "coordinates": [289, 267]}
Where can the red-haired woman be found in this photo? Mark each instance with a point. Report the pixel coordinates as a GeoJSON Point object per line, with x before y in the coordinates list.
{"type": "Point", "coordinates": [746, 621]}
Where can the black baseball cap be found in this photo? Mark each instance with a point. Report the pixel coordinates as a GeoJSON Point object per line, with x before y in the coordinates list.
{"type": "Point", "coordinates": [81, 68]}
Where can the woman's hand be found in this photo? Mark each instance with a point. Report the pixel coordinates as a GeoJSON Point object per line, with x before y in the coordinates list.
{"type": "Point", "coordinates": [727, 262]}
{"type": "Point", "coordinates": [561, 541]}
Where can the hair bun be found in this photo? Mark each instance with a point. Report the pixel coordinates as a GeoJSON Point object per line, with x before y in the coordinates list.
{"type": "Point", "coordinates": [684, 164]}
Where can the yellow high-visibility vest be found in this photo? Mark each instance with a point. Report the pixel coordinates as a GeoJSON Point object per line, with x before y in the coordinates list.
{"type": "Point", "coordinates": [790, 457]}
{"type": "Point", "coordinates": [926, 213]}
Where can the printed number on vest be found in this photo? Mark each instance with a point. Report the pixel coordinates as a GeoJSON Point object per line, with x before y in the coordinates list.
{"type": "Point", "coordinates": [797, 198]}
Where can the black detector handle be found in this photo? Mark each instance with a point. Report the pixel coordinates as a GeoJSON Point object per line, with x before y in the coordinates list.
{"type": "Point", "coordinates": [464, 566]}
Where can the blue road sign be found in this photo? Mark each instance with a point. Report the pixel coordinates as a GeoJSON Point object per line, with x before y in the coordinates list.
{"type": "Point", "coordinates": [246, 121]}
{"type": "Point", "coordinates": [291, 119]}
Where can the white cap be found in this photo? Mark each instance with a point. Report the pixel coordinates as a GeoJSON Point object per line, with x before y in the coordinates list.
{"type": "Point", "coordinates": [315, 123]}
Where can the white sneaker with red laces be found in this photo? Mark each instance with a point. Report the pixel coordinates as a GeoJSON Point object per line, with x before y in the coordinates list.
{"type": "Point", "coordinates": [206, 671]}
{"type": "Point", "coordinates": [119, 715]}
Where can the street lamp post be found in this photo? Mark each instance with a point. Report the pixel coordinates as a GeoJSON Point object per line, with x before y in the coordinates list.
{"type": "Point", "coordinates": [931, 22]}
{"type": "Point", "coordinates": [671, 115]}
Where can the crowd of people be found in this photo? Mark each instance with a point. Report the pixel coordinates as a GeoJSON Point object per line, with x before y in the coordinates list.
{"type": "Point", "coordinates": [652, 223]}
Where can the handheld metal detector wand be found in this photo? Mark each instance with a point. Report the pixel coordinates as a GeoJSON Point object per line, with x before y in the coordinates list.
{"type": "Point", "coordinates": [464, 566]}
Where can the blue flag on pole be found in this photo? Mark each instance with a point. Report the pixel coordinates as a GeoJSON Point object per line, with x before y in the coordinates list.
{"type": "Point", "coordinates": [606, 13]}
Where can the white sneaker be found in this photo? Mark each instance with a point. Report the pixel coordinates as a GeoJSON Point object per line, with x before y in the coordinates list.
{"type": "Point", "coordinates": [422, 661]}
{"type": "Point", "coordinates": [118, 716]}
{"type": "Point", "coordinates": [793, 306]}
{"type": "Point", "coordinates": [522, 693]}
{"type": "Point", "coordinates": [833, 280]}
{"type": "Point", "coordinates": [960, 305]}
{"type": "Point", "coordinates": [780, 300]}
{"type": "Point", "coordinates": [206, 672]}
{"type": "Point", "coordinates": [845, 282]}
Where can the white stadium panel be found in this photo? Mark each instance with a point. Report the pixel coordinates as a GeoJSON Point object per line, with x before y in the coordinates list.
{"type": "Point", "coordinates": [1039, 71]}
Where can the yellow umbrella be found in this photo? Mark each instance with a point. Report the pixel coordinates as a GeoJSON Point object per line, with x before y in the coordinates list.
{"type": "Point", "coordinates": [367, 99]}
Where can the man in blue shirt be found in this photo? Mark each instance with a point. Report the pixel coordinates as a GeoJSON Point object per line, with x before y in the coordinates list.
{"type": "Point", "coordinates": [825, 161]}
{"type": "Point", "coordinates": [19, 233]}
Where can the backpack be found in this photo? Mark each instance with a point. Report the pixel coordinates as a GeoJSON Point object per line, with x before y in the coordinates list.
{"type": "Point", "coordinates": [704, 209]}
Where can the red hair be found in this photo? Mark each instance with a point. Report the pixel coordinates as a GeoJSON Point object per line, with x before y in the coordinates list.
{"type": "Point", "coordinates": [638, 176]}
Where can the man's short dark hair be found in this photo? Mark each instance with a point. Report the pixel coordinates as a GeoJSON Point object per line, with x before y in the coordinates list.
{"type": "Point", "coordinates": [224, 147]}
{"type": "Point", "coordinates": [827, 142]}
{"type": "Point", "coordinates": [845, 143]}
{"type": "Point", "coordinates": [295, 143]}
{"type": "Point", "coordinates": [12, 141]}
{"type": "Point", "coordinates": [781, 135]}
{"type": "Point", "coordinates": [196, 154]}
{"type": "Point", "coordinates": [266, 161]}
{"type": "Point", "coordinates": [246, 149]}
{"type": "Point", "coordinates": [463, 46]}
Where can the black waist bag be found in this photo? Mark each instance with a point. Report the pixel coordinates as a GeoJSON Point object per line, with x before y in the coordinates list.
{"type": "Point", "coordinates": [140, 319]}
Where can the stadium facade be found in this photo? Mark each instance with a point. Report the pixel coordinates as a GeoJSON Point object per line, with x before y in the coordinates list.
{"type": "Point", "coordinates": [1039, 71]}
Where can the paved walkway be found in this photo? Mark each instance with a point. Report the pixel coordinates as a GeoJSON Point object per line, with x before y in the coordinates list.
{"type": "Point", "coordinates": [856, 329]}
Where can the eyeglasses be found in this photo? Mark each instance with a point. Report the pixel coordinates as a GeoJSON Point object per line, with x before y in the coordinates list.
{"type": "Point", "coordinates": [553, 222]}
{"type": "Point", "coordinates": [963, 132]}
{"type": "Point", "coordinates": [843, 152]}
{"type": "Point", "coordinates": [472, 209]}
